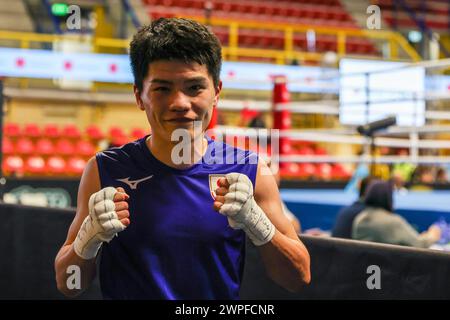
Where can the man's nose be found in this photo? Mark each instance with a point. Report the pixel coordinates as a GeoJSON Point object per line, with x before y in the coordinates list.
{"type": "Point", "coordinates": [179, 102]}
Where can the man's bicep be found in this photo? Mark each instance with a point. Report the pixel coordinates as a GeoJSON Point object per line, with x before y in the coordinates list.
{"type": "Point", "coordinates": [267, 196]}
{"type": "Point", "coordinates": [89, 184]}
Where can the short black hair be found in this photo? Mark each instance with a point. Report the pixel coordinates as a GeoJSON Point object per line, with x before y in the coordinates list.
{"type": "Point", "coordinates": [379, 195]}
{"type": "Point", "coordinates": [174, 39]}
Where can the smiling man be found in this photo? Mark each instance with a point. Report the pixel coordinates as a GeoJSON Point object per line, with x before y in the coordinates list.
{"type": "Point", "coordinates": [171, 230]}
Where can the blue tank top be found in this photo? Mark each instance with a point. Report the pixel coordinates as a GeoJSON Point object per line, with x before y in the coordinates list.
{"type": "Point", "coordinates": [176, 246]}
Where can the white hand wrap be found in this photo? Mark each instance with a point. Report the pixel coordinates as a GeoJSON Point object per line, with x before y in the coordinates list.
{"type": "Point", "coordinates": [99, 226]}
{"type": "Point", "coordinates": [243, 212]}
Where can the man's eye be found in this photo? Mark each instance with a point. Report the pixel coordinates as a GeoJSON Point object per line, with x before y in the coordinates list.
{"type": "Point", "coordinates": [161, 89]}
{"type": "Point", "coordinates": [196, 87]}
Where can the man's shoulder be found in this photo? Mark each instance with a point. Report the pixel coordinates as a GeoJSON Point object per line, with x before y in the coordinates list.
{"type": "Point", "coordinates": [239, 152]}
{"type": "Point", "coordinates": [126, 150]}
{"type": "Point", "coordinates": [128, 155]}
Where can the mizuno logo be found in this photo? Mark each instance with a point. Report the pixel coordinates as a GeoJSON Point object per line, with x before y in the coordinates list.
{"type": "Point", "coordinates": [133, 183]}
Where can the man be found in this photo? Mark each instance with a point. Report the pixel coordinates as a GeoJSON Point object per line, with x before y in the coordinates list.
{"type": "Point", "coordinates": [344, 220]}
{"type": "Point", "coordinates": [171, 229]}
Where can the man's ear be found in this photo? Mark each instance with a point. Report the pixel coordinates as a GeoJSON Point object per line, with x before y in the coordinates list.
{"type": "Point", "coordinates": [137, 95]}
{"type": "Point", "coordinates": [217, 93]}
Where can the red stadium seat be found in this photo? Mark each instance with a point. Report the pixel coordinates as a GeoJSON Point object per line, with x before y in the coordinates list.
{"type": "Point", "coordinates": [338, 172]}
{"type": "Point", "coordinates": [85, 149]}
{"type": "Point", "coordinates": [306, 151]}
{"type": "Point", "coordinates": [298, 170]}
{"type": "Point", "coordinates": [56, 165]}
{"type": "Point", "coordinates": [45, 147]}
{"type": "Point", "coordinates": [116, 132]}
{"type": "Point", "coordinates": [13, 165]}
{"type": "Point", "coordinates": [51, 131]}
{"type": "Point", "coordinates": [32, 130]}
{"type": "Point", "coordinates": [7, 146]}
{"type": "Point", "coordinates": [323, 171]}
{"type": "Point", "coordinates": [35, 165]}
{"type": "Point", "coordinates": [71, 132]}
{"type": "Point", "coordinates": [65, 147]}
{"type": "Point", "coordinates": [117, 141]}
{"type": "Point", "coordinates": [12, 130]}
{"type": "Point", "coordinates": [24, 146]}
{"type": "Point", "coordinates": [321, 151]}
{"type": "Point", "coordinates": [76, 165]}
{"type": "Point", "coordinates": [138, 133]}
{"type": "Point", "coordinates": [94, 133]}
{"type": "Point", "coordinates": [306, 170]}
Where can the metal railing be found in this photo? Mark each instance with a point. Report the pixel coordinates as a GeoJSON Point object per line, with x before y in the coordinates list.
{"type": "Point", "coordinates": [395, 41]}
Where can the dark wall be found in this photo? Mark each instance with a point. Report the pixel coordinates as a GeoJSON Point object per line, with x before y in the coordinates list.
{"type": "Point", "coordinates": [30, 237]}
{"type": "Point", "coordinates": [339, 271]}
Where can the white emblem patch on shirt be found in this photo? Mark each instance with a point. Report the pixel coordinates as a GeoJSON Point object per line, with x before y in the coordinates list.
{"type": "Point", "coordinates": [213, 180]}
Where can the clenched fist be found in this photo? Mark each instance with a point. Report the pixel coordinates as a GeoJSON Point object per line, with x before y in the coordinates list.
{"type": "Point", "coordinates": [108, 215]}
{"type": "Point", "coordinates": [235, 200]}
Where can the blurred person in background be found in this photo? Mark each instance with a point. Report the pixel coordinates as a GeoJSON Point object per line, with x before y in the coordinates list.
{"type": "Point", "coordinates": [378, 223]}
{"type": "Point", "coordinates": [402, 172]}
{"type": "Point", "coordinates": [422, 178]}
{"type": "Point", "coordinates": [441, 176]}
{"type": "Point", "coordinates": [344, 220]}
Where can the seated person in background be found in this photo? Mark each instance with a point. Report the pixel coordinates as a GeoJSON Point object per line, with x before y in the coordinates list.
{"type": "Point", "coordinates": [441, 176]}
{"type": "Point", "coordinates": [377, 222]}
{"type": "Point", "coordinates": [422, 178]}
{"type": "Point", "coordinates": [344, 220]}
{"type": "Point", "coordinates": [402, 172]}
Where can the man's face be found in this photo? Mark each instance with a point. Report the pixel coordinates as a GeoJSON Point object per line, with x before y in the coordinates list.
{"type": "Point", "coordinates": [176, 94]}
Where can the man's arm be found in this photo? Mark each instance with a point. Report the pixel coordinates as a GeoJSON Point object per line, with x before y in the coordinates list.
{"type": "Point", "coordinates": [89, 184]}
{"type": "Point", "coordinates": [405, 234]}
{"type": "Point", "coordinates": [109, 215]}
{"type": "Point", "coordinates": [285, 257]}
{"type": "Point", "coordinates": [260, 215]}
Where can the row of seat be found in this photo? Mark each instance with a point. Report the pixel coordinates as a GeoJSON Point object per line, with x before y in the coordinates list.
{"type": "Point", "coordinates": [434, 7]}
{"type": "Point", "coordinates": [160, 12]}
{"type": "Point", "coordinates": [295, 2]}
{"type": "Point", "coordinates": [275, 12]}
{"type": "Point", "coordinates": [410, 23]}
{"type": "Point", "coordinates": [270, 8]}
{"type": "Point", "coordinates": [303, 171]}
{"type": "Point", "coordinates": [38, 166]}
{"type": "Point", "coordinates": [315, 171]}
{"type": "Point", "coordinates": [319, 18]}
{"type": "Point", "coordinates": [47, 147]}
{"type": "Point", "coordinates": [435, 14]}
{"type": "Point", "coordinates": [14, 165]}
{"type": "Point", "coordinates": [71, 132]}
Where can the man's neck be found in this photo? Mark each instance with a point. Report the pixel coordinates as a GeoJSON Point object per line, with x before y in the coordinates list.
{"type": "Point", "coordinates": [162, 150]}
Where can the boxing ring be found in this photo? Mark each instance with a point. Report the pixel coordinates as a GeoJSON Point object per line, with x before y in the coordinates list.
{"type": "Point", "coordinates": [31, 236]}
{"type": "Point", "coordinates": [422, 128]}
